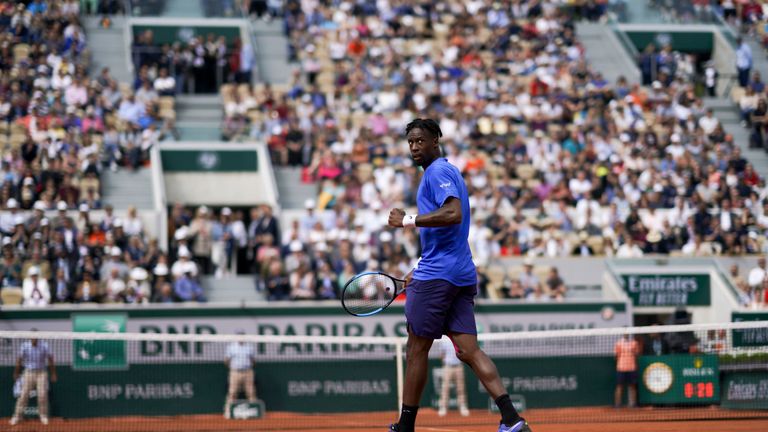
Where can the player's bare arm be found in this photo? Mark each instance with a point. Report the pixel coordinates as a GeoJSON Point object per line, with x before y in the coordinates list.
{"type": "Point", "coordinates": [448, 214]}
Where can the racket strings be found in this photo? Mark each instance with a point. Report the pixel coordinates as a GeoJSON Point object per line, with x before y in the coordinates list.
{"type": "Point", "coordinates": [368, 293]}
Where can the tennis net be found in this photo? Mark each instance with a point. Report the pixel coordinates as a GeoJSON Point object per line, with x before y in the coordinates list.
{"type": "Point", "coordinates": [143, 382]}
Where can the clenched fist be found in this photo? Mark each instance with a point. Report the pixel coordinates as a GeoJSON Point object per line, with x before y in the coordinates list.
{"type": "Point", "coordinates": [396, 217]}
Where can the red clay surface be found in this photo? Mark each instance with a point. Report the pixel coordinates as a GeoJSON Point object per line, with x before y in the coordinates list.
{"type": "Point", "coordinates": [542, 420]}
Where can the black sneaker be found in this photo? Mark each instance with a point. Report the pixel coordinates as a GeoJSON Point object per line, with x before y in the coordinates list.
{"type": "Point", "coordinates": [394, 428]}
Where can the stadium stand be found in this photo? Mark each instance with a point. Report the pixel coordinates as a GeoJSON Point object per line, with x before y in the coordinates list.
{"type": "Point", "coordinates": [559, 161]}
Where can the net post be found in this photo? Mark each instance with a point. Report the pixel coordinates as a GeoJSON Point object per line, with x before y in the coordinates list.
{"type": "Point", "coordinates": [399, 369]}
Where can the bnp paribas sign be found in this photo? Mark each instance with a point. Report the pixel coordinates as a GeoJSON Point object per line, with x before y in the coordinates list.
{"type": "Point", "coordinates": [667, 289]}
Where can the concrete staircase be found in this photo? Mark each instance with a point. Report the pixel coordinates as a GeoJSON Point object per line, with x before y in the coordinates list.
{"type": "Point", "coordinates": [605, 53]}
{"type": "Point", "coordinates": [125, 187]}
{"type": "Point", "coordinates": [728, 114]}
{"type": "Point", "coordinates": [293, 193]}
{"type": "Point", "coordinates": [229, 290]}
{"type": "Point", "coordinates": [108, 47]}
{"type": "Point", "coordinates": [199, 117]}
{"type": "Point", "coordinates": [271, 52]}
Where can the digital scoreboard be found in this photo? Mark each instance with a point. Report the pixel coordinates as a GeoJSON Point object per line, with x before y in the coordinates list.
{"type": "Point", "coordinates": [679, 379]}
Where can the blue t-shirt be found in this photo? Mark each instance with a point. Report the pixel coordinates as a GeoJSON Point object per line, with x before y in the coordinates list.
{"type": "Point", "coordinates": [445, 252]}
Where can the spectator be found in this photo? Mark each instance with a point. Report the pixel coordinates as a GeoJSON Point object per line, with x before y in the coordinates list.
{"type": "Point", "coordinates": [757, 275]}
{"type": "Point", "coordinates": [743, 61]}
{"type": "Point", "coordinates": [187, 289]}
{"type": "Point", "coordinates": [655, 345]}
{"type": "Point", "coordinates": [36, 290]}
{"type": "Point", "coordinates": [629, 249]}
{"type": "Point", "coordinates": [528, 280]}
{"type": "Point", "coordinates": [87, 290]}
{"type": "Point", "coordinates": [555, 284]}
{"type": "Point", "coordinates": [184, 265]}
{"type": "Point", "coordinates": [302, 283]}
{"type": "Point", "coordinates": [165, 294]}
{"type": "Point", "coordinates": [275, 280]}
{"type": "Point", "coordinates": [164, 84]}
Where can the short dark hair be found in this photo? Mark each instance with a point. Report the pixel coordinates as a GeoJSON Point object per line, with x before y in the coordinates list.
{"type": "Point", "coordinates": [426, 124]}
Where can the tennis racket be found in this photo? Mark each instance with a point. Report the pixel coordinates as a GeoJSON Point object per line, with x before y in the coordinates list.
{"type": "Point", "coordinates": [370, 293]}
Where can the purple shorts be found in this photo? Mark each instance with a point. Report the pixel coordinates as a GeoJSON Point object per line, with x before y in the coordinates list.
{"type": "Point", "coordinates": [435, 307]}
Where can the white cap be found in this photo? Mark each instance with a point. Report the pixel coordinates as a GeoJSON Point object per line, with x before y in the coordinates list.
{"type": "Point", "coordinates": [385, 236]}
{"type": "Point", "coordinates": [117, 223]}
{"type": "Point", "coordinates": [181, 233]}
{"type": "Point", "coordinates": [115, 251]}
{"type": "Point", "coordinates": [226, 211]}
{"type": "Point", "coordinates": [37, 235]}
{"type": "Point", "coordinates": [28, 181]}
{"type": "Point", "coordinates": [321, 247]}
{"type": "Point", "coordinates": [44, 222]}
{"type": "Point", "coordinates": [624, 137]}
{"type": "Point", "coordinates": [376, 205]}
{"type": "Point", "coordinates": [675, 137]}
{"type": "Point", "coordinates": [61, 205]}
{"type": "Point", "coordinates": [12, 203]}
{"type": "Point", "coordinates": [295, 246]}
{"type": "Point", "coordinates": [18, 220]}
{"type": "Point", "coordinates": [309, 204]}
{"type": "Point", "coordinates": [161, 270]}
{"type": "Point", "coordinates": [202, 209]}
{"type": "Point", "coordinates": [34, 271]}
{"type": "Point", "coordinates": [39, 205]}
{"type": "Point", "coordinates": [528, 261]}
{"type": "Point", "coordinates": [6, 241]}
{"type": "Point", "coordinates": [84, 208]}
{"type": "Point", "coordinates": [138, 273]}
{"type": "Point", "coordinates": [183, 252]}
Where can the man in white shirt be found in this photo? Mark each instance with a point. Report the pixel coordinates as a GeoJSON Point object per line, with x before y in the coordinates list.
{"type": "Point", "coordinates": [36, 291]}
{"type": "Point", "coordinates": [240, 359]}
{"type": "Point", "coordinates": [757, 274]}
{"type": "Point", "coordinates": [709, 122]}
{"type": "Point", "coordinates": [453, 372]}
{"type": "Point", "coordinates": [580, 186]}
{"type": "Point", "coordinates": [629, 249]}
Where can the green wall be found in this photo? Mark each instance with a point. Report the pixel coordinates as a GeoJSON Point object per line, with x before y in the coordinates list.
{"type": "Point", "coordinates": [689, 42]}
{"type": "Point", "coordinates": [174, 33]}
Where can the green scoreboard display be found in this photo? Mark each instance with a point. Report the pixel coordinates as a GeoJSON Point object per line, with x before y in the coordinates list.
{"type": "Point", "coordinates": [679, 379]}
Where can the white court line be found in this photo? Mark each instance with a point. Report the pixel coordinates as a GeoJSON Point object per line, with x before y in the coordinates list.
{"type": "Point", "coordinates": [440, 430]}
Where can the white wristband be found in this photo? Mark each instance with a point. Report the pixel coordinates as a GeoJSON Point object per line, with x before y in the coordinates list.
{"type": "Point", "coordinates": [409, 221]}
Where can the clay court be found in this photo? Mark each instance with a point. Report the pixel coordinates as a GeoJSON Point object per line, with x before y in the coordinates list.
{"type": "Point", "coordinates": [598, 419]}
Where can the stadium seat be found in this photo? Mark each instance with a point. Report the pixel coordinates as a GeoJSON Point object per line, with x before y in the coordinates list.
{"type": "Point", "coordinates": [20, 52]}
{"type": "Point", "coordinates": [496, 275]}
{"type": "Point", "coordinates": [597, 244]}
{"type": "Point", "coordinates": [525, 171]}
{"type": "Point", "coordinates": [11, 296]}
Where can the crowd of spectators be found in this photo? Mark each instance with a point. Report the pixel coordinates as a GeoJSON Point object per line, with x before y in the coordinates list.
{"type": "Point", "coordinates": [752, 289]}
{"type": "Point", "coordinates": [320, 251]}
{"type": "Point", "coordinates": [558, 161]}
{"type": "Point", "coordinates": [61, 126]}
{"type": "Point", "coordinates": [197, 64]}
{"type": "Point", "coordinates": [58, 257]}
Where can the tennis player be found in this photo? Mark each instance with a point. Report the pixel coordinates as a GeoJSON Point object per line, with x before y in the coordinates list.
{"type": "Point", "coordinates": [442, 287]}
